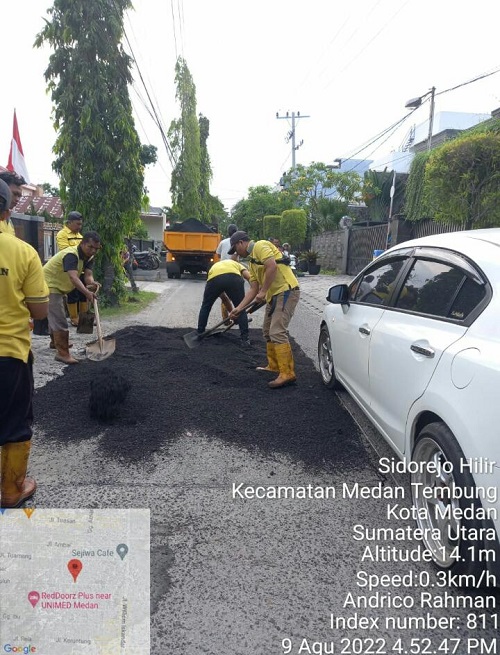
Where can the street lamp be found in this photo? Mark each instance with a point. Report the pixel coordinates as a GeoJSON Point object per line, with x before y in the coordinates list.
{"type": "Point", "coordinates": [416, 102]}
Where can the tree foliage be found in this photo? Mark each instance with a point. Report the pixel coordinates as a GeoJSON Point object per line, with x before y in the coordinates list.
{"type": "Point", "coordinates": [205, 166]}
{"type": "Point", "coordinates": [184, 137]}
{"type": "Point", "coordinates": [149, 155]}
{"type": "Point", "coordinates": [377, 193]}
{"type": "Point", "coordinates": [308, 185]}
{"type": "Point", "coordinates": [97, 149]}
{"type": "Point", "coordinates": [329, 213]}
{"type": "Point", "coordinates": [462, 181]}
{"type": "Point", "coordinates": [271, 224]}
{"type": "Point", "coordinates": [49, 190]}
{"type": "Point", "coordinates": [416, 205]}
{"type": "Point", "coordinates": [248, 213]}
{"type": "Point", "coordinates": [293, 227]}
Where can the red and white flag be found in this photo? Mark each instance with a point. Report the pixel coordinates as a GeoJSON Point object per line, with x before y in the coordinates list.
{"type": "Point", "coordinates": [16, 156]}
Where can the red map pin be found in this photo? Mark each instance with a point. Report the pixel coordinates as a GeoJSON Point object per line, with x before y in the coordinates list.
{"type": "Point", "coordinates": [74, 567]}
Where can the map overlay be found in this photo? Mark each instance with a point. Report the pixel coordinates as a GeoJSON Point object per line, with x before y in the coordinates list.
{"type": "Point", "coordinates": [75, 581]}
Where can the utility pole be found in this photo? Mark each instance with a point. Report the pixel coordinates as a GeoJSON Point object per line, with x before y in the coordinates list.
{"type": "Point", "coordinates": [291, 134]}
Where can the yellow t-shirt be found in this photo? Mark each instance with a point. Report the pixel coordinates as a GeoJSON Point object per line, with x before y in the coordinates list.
{"type": "Point", "coordinates": [55, 275]}
{"type": "Point", "coordinates": [66, 238]}
{"type": "Point", "coordinates": [7, 226]}
{"type": "Point", "coordinates": [285, 278]}
{"type": "Point", "coordinates": [225, 266]}
{"type": "Point", "coordinates": [21, 281]}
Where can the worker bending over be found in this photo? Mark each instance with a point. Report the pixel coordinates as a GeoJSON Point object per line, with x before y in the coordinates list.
{"type": "Point", "coordinates": [225, 280]}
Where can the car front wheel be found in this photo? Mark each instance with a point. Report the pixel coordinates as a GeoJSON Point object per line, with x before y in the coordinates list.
{"type": "Point", "coordinates": [325, 360]}
{"type": "Point", "coordinates": [444, 495]}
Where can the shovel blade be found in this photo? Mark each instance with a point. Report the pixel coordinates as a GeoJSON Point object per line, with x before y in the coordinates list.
{"type": "Point", "coordinates": [192, 339]}
{"type": "Point", "coordinates": [95, 353]}
{"type": "Point", "coordinates": [85, 323]}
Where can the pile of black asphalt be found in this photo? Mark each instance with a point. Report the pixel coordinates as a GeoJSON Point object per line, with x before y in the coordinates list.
{"type": "Point", "coordinates": [163, 388]}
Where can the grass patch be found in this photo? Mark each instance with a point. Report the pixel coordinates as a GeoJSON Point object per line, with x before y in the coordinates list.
{"type": "Point", "coordinates": [133, 303]}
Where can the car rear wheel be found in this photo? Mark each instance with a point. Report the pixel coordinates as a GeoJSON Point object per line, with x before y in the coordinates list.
{"type": "Point", "coordinates": [438, 490]}
{"type": "Point", "coordinates": [325, 360]}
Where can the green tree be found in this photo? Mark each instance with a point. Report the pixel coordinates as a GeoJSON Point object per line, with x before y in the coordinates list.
{"type": "Point", "coordinates": [294, 227]}
{"type": "Point", "coordinates": [462, 181]}
{"type": "Point", "coordinates": [49, 190]}
{"type": "Point", "coordinates": [377, 193]}
{"type": "Point", "coordinates": [416, 204]}
{"type": "Point", "coordinates": [216, 213]}
{"type": "Point", "coordinates": [97, 149]}
{"type": "Point", "coordinates": [149, 155]}
{"type": "Point", "coordinates": [248, 213]}
{"type": "Point", "coordinates": [308, 185]}
{"type": "Point", "coordinates": [329, 213]}
{"type": "Point", "coordinates": [272, 226]}
{"type": "Point", "coordinates": [184, 137]}
{"type": "Point", "coordinates": [205, 166]}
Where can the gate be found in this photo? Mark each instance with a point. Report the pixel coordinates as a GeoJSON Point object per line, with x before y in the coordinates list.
{"type": "Point", "coordinates": [362, 243]}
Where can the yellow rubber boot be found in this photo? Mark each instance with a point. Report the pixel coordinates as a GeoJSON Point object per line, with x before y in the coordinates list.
{"type": "Point", "coordinates": [15, 487]}
{"type": "Point", "coordinates": [286, 365]}
{"type": "Point", "coordinates": [83, 306]}
{"type": "Point", "coordinates": [73, 313]}
{"type": "Point", "coordinates": [272, 362]}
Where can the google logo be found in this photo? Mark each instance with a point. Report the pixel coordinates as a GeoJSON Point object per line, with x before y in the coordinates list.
{"type": "Point", "coordinates": [19, 649]}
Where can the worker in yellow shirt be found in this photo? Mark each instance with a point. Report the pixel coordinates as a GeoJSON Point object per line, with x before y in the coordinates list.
{"type": "Point", "coordinates": [272, 281]}
{"type": "Point", "coordinates": [63, 273]}
{"type": "Point", "coordinates": [23, 294]}
{"type": "Point", "coordinates": [70, 236]}
{"type": "Point", "coordinates": [14, 182]}
{"type": "Point", "coordinates": [225, 280]}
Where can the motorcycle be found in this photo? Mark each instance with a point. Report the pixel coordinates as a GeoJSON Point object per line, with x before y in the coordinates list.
{"type": "Point", "coordinates": [148, 260]}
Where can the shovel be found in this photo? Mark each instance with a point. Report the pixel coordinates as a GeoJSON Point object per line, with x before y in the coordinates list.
{"type": "Point", "coordinates": [194, 339]}
{"type": "Point", "coordinates": [100, 349]}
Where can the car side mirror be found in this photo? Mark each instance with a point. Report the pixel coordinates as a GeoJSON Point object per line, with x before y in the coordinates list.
{"type": "Point", "coordinates": [338, 295]}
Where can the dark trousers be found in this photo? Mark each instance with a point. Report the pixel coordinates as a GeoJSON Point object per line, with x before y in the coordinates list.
{"type": "Point", "coordinates": [75, 295]}
{"type": "Point", "coordinates": [234, 286]}
{"type": "Point", "coordinates": [16, 399]}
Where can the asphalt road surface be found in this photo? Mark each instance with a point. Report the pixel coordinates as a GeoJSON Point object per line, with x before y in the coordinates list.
{"type": "Point", "coordinates": [233, 573]}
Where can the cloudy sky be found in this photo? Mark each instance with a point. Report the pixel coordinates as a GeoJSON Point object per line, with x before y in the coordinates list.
{"type": "Point", "coordinates": [349, 66]}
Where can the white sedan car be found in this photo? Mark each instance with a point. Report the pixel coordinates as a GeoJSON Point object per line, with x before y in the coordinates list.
{"type": "Point", "coordinates": [415, 340]}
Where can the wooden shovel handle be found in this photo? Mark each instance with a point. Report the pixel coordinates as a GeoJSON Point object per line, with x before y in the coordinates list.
{"type": "Point", "coordinates": [98, 325]}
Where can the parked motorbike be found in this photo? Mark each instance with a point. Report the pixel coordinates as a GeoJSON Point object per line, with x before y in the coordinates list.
{"type": "Point", "coordinates": [148, 260]}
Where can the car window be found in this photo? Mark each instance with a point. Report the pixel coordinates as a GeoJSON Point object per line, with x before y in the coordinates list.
{"type": "Point", "coordinates": [439, 289]}
{"type": "Point", "coordinates": [376, 287]}
{"type": "Point", "coordinates": [469, 297]}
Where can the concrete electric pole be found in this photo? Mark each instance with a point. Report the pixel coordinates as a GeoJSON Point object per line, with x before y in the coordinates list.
{"type": "Point", "coordinates": [291, 134]}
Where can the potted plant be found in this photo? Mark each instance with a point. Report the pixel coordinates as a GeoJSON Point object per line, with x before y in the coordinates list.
{"type": "Point", "coordinates": [312, 266]}
{"type": "Point", "coordinates": [302, 264]}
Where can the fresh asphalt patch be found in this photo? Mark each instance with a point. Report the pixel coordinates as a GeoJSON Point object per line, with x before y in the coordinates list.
{"type": "Point", "coordinates": [213, 389]}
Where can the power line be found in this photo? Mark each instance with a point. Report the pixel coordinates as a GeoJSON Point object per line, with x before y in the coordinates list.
{"type": "Point", "coordinates": [475, 79]}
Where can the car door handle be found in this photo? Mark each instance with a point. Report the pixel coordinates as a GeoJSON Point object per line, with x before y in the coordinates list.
{"type": "Point", "coordinates": [365, 330]}
{"type": "Point", "coordinates": [426, 352]}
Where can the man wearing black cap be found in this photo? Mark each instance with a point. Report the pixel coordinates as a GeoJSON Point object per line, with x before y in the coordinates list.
{"type": "Point", "coordinates": [23, 294]}
{"type": "Point", "coordinates": [272, 281]}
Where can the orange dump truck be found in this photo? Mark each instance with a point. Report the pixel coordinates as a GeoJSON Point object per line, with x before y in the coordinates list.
{"type": "Point", "coordinates": [191, 247]}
